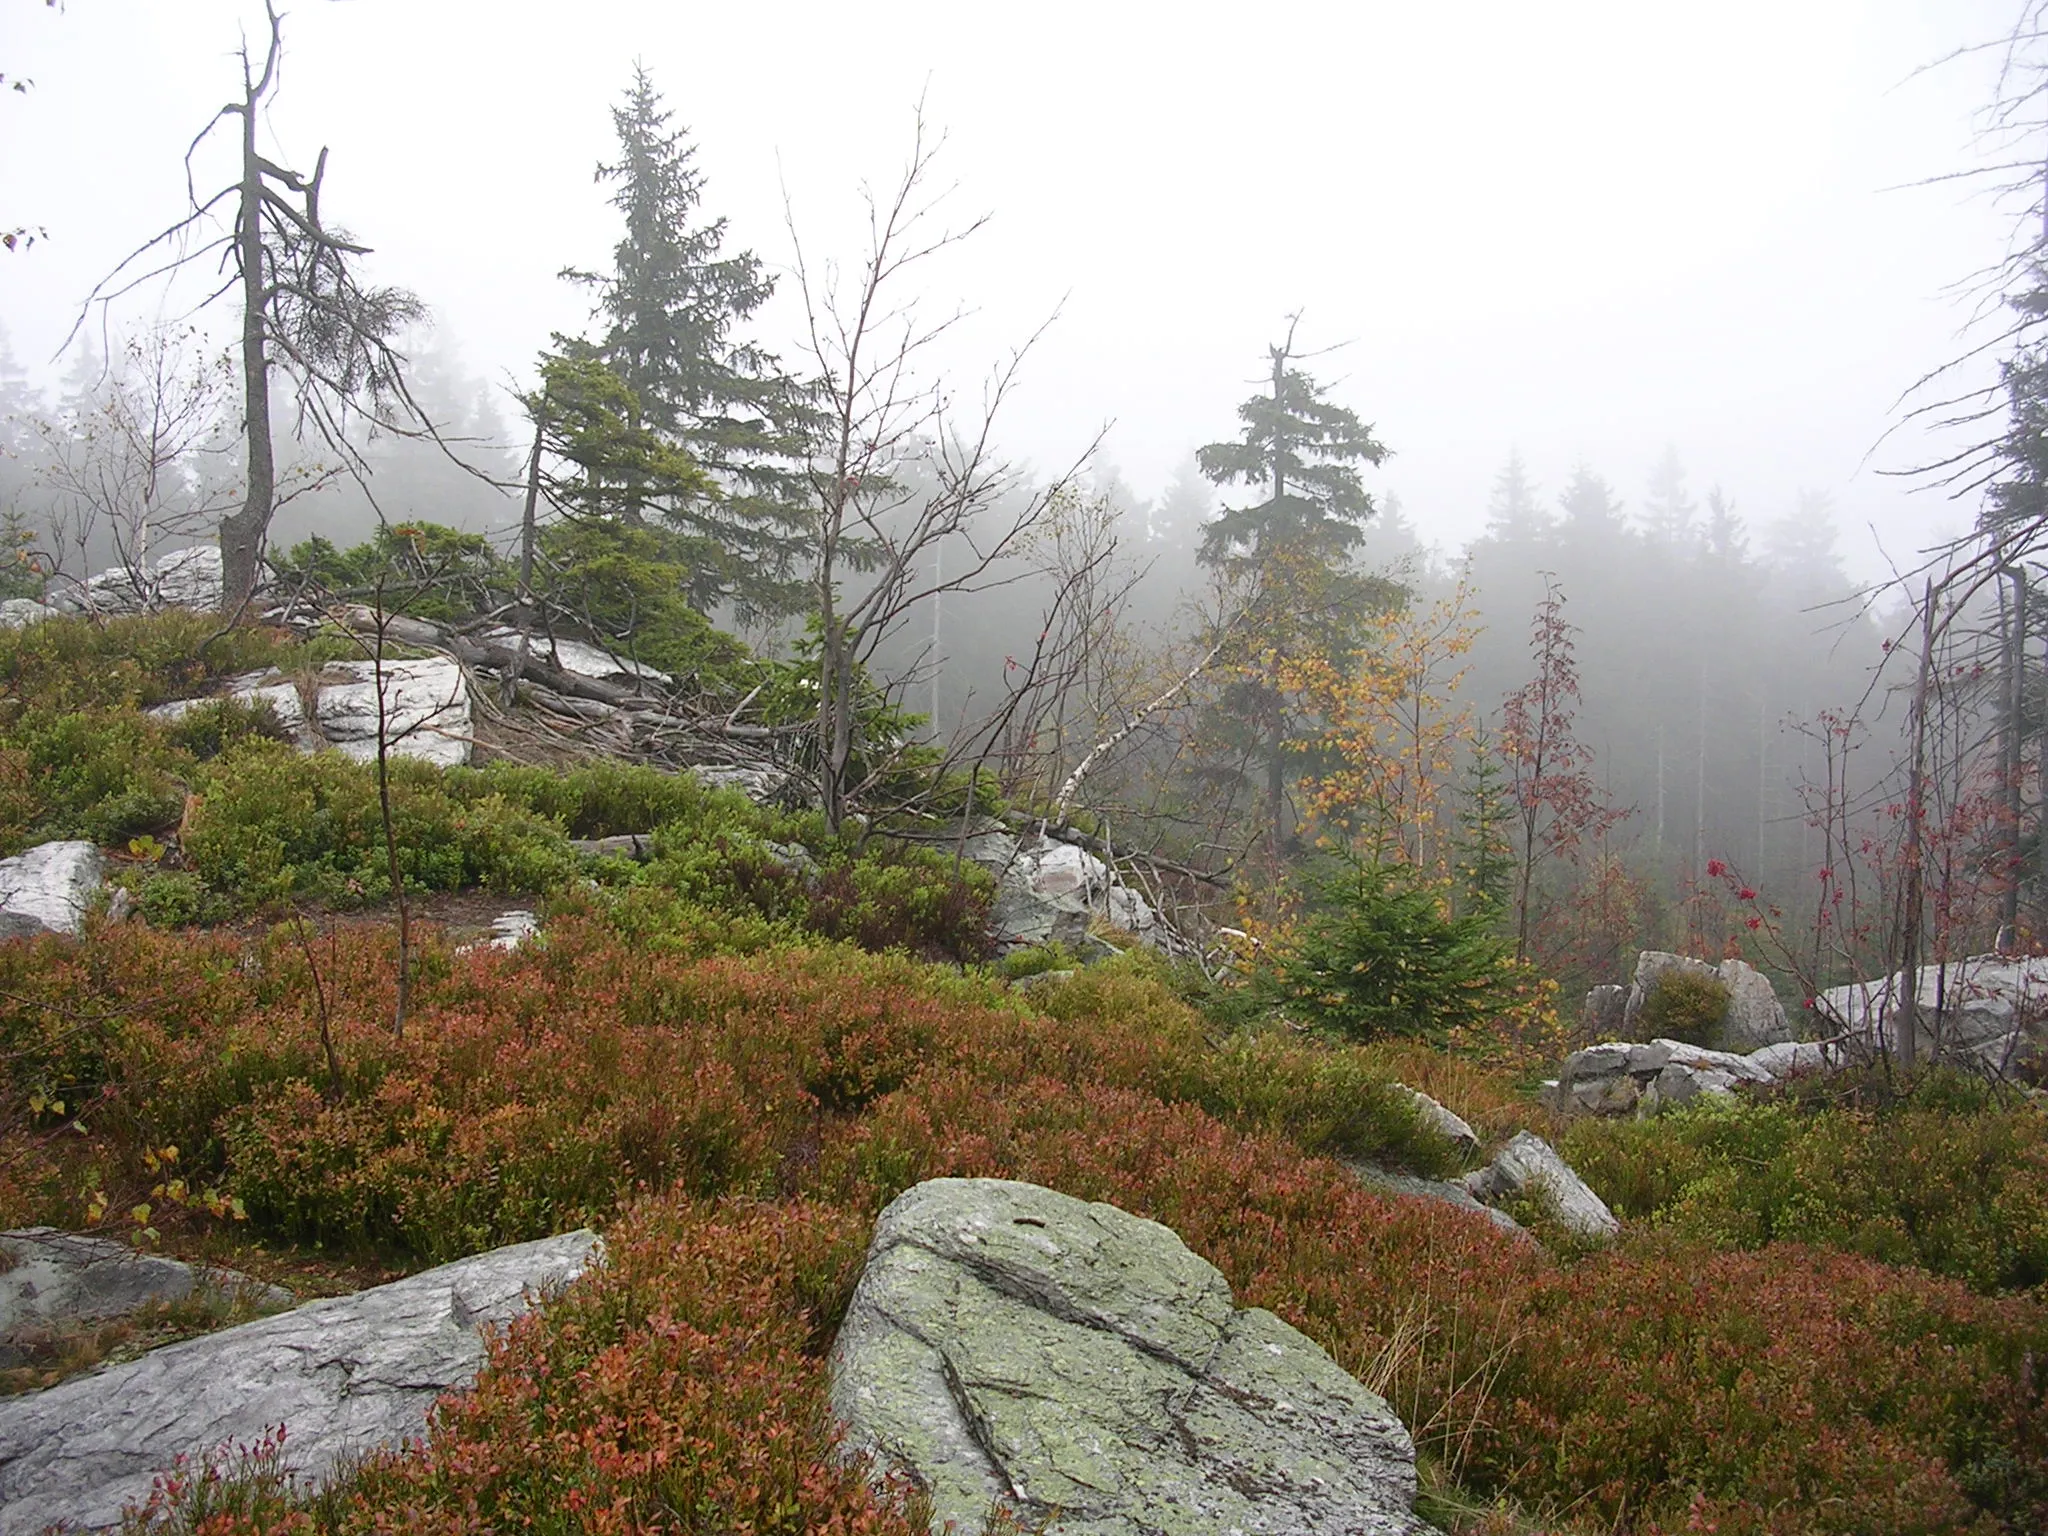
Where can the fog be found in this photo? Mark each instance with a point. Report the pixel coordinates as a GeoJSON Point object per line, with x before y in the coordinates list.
{"type": "Point", "coordinates": [1583, 232]}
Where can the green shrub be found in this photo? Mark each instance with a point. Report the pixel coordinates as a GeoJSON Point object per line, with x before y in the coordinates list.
{"type": "Point", "coordinates": [209, 729]}
{"type": "Point", "coordinates": [169, 898]}
{"type": "Point", "coordinates": [1687, 1006]}
{"type": "Point", "coordinates": [272, 824]}
{"type": "Point", "coordinates": [1962, 1192]}
{"type": "Point", "coordinates": [104, 774]}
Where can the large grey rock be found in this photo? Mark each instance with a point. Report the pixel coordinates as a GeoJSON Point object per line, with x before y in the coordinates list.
{"type": "Point", "coordinates": [1528, 1168]}
{"type": "Point", "coordinates": [1013, 1348]}
{"type": "Point", "coordinates": [49, 889]}
{"type": "Point", "coordinates": [20, 612]}
{"type": "Point", "coordinates": [1605, 1016]}
{"type": "Point", "coordinates": [1796, 1059]}
{"type": "Point", "coordinates": [57, 1280]}
{"type": "Point", "coordinates": [185, 578]}
{"type": "Point", "coordinates": [1050, 892]}
{"type": "Point", "coordinates": [1755, 1017]}
{"type": "Point", "coordinates": [1989, 1012]}
{"type": "Point", "coordinates": [426, 710]}
{"type": "Point", "coordinates": [344, 1377]}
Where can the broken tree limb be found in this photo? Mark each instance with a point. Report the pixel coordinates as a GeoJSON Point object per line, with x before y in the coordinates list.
{"type": "Point", "coordinates": [1109, 742]}
{"type": "Point", "coordinates": [474, 652]}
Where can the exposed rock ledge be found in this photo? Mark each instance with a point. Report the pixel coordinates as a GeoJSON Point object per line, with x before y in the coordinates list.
{"type": "Point", "coordinates": [344, 1376]}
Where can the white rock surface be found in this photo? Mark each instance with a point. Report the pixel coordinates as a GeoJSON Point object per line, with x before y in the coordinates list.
{"type": "Point", "coordinates": [49, 888]}
{"type": "Point", "coordinates": [514, 928]}
{"type": "Point", "coordinates": [20, 612]}
{"type": "Point", "coordinates": [266, 687]}
{"type": "Point", "coordinates": [344, 1376]}
{"type": "Point", "coordinates": [1988, 1009]}
{"type": "Point", "coordinates": [185, 578]}
{"type": "Point", "coordinates": [1528, 1167]}
{"type": "Point", "coordinates": [426, 710]}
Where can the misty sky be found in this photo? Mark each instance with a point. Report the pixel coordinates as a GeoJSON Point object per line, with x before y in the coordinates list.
{"type": "Point", "coordinates": [1584, 229]}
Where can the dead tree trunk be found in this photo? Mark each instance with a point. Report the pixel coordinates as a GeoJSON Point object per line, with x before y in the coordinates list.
{"type": "Point", "coordinates": [242, 531]}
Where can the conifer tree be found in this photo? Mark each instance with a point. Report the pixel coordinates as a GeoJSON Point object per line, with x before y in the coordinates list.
{"type": "Point", "coordinates": [671, 308]}
{"type": "Point", "coordinates": [1297, 542]}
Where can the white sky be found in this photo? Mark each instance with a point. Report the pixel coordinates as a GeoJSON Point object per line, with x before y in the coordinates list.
{"type": "Point", "coordinates": [1585, 229]}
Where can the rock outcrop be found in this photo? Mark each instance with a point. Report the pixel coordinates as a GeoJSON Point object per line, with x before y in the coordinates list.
{"type": "Point", "coordinates": [1619, 1078]}
{"type": "Point", "coordinates": [49, 889]}
{"type": "Point", "coordinates": [1012, 1348]}
{"type": "Point", "coordinates": [344, 1376]}
{"type": "Point", "coordinates": [56, 1281]}
{"type": "Point", "coordinates": [1753, 1016]}
{"type": "Point", "coordinates": [185, 578]}
{"type": "Point", "coordinates": [425, 710]}
{"type": "Point", "coordinates": [1987, 1012]}
{"type": "Point", "coordinates": [1529, 1169]}
{"type": "Point", "coordinates": [1050, 892]}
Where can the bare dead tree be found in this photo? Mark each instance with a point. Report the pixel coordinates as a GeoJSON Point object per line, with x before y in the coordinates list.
{"type": "Point", "coordinates": [143, 461]}
{"type": "Point", "coordinates": [306, 309]}
{"type": "Point", "coordinates": [902, 474]}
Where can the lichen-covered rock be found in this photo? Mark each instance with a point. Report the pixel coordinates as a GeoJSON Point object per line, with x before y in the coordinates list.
{"type": "Point", "coordinates": [426, 710]}
{"type": "Point", "coordinates": [57, 1280]}
{"type": "Point", "coordinates": [344, 1376]}
{"type": "Point", "coordinates": [1528, 1168]}
{"type": "Point", "coordinates": [1009, 1347]}
{"type": "Point", "coordinates": [1050, 892]}
{"type": "Point", "coordinates": [49, 889]}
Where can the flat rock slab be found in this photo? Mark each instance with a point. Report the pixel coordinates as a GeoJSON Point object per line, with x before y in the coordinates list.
{"type": "Point", "coordinates": [344, 1376]}
{"type": "Point", "coordinates": [1011, 1347]}
{"type": "Point", "coordinates": [59, 1279]}
{"type": "Point", "coordinates": [425, 710]}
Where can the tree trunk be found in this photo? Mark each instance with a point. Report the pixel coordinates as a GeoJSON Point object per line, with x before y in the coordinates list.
{"type": "Point", "coordinates": [1276, 731]}
{"type": "Point", "coordinates": [2015, 703]}
{"type": "Point", "coordinates": [242, 532]}
{"type": "Point", "coordinates": [1906, 1013]}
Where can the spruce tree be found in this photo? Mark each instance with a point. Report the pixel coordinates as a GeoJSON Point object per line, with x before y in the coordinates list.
{"type": "Point", "coordinates": [1298, 543]}
{"type": "Point", "coordinates": [671, 307]}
